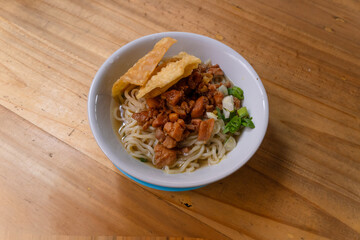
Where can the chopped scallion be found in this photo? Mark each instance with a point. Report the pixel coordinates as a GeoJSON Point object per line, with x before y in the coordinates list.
{"type": "Point", "coordinates": [242, 112]}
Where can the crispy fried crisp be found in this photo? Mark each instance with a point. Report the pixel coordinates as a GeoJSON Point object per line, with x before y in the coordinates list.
{"type": "Point", "coordinates": [119, 86]}
{"type": "Point", "coordinates": [169, 74]}
{"type": "Point", "coordinates": [164, 63]}
{"type": "Point", "coordinates": [140, 73]}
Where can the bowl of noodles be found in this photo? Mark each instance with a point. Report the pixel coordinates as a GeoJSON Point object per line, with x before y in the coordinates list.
{"type": "Point", "coordinates": [176, 111]}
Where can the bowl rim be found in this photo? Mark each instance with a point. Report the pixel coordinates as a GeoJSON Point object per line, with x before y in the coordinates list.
{"type": "Point", "coordinates": [130, 172]}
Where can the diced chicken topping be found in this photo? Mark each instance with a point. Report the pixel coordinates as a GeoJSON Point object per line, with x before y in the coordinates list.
{"type": "Point", "coordinates": [169, 142]}
{"type": "Point", "coordinates": [216, 70]}
{"type": "Point", "coordinates": [194, 125]}
{"type": "Point", "coordinates": [160, 135]}
{"type": "Point", "coordinates": [184, 109]}
{"type": "Point", "coordinates": [141, 117]}
{"type": "Point", "coordinates": [218, 97]}
{"type": "Point", "coordinates": [173, 117]}
{"type": "Point", "coordinates": [152, 103]}
{"type": "Point", "coordinates": [174, 130]}
{"type": "Point", "coordinates": [205, 130]}
{"type": "Point", "coordinates": [172, 97]}
{"type": "Point", "coordinates": [163, 156]}
{"type": "Point", "coordinates": [160, 120]}
{"type": "Point", "coordinates": [199, 107]}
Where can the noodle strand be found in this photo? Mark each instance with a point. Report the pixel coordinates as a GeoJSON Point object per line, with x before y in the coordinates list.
{"type": "Point", "coordinates": [140, 143]}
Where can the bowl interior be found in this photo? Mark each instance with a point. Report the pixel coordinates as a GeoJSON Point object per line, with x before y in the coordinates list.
{"type": "Point", "coordinates": [235, 67]}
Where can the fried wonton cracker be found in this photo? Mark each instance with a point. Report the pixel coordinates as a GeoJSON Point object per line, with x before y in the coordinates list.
{"type": "Point", "coordinates": [169, 74]}
{"type": "Point", "coordinates": [140, 73]}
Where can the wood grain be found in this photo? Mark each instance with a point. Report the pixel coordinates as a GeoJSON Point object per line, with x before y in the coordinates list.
{"type": "Point", "coordinates": [13, 236]}
{"type": "Point", "coordinates": [303, 183]}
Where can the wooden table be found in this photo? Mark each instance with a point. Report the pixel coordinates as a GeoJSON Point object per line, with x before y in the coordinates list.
{"type": "Point", "coordinates": [303, 182]}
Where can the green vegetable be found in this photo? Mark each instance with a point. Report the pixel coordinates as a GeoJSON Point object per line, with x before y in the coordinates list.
{"type": "Point", "coordinates": [237, 119]}
{"type": "Point", "coordinates": [233, 125]}
{"type": "Point", "coordinates": [248, 123]}
{"type": "Point", "coordinates": [143, 159]}
{"type": "Point", "coordinates": [232, 114]}
{"type": "Point", "coordinates": [236, 92]}
{"type": "Point", "coordinates": [242, 112]}
{"type": "Point", "coordinates": [220, 114]}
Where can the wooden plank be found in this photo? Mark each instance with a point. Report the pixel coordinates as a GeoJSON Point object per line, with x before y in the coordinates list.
{"type": "Point", "coordinates": [303, 183]}
{"type": "Point", "coordinates": [49, 187]}
{"type": "Point", "coordinates": [12, 236]}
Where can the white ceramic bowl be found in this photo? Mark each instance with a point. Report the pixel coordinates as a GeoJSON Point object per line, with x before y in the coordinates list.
{"type": "Point", "coordinates": [235, 67]}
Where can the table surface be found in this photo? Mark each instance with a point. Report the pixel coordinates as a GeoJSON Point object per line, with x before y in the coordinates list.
{"type": "Point", "coordinates": [303, 182]}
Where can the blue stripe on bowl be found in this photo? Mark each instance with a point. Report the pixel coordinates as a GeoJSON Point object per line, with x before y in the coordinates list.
{"type": "Point", "coordinates": [169, 189]}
